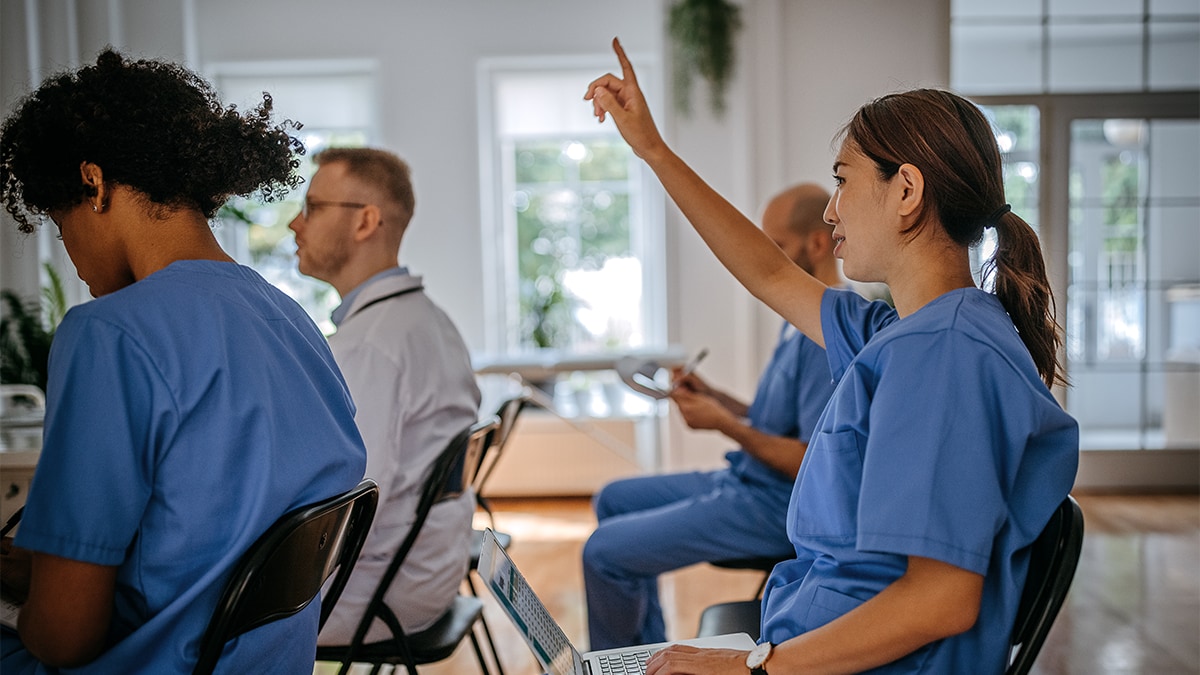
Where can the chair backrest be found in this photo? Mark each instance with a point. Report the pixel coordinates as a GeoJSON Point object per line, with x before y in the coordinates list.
{"type": "Point", "coordinates": [1052, 563]}
{"type": "Point", "coordinates": [507, 413]}
{"type": "Point", "coordinates": [286, 567]}
{"type": "Point", "coordinates": [448, 476]}
{"type": "Point", "coordinates": [480, 446]}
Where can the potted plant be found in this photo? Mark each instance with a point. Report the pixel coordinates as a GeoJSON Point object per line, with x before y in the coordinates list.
{"type": "Point", "coordinates": [703, 36]}
{"type": "Point", "coordinates": [25, 334]}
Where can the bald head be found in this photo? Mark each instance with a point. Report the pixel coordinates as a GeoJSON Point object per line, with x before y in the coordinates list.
{"type": "Point", "coordinates": [794, 220]}
{"type": "Point", "coordinates": [799, 209]}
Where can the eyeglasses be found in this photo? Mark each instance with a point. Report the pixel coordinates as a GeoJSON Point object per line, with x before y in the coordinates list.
{"type": "Point", "coordinates": [310, 204]}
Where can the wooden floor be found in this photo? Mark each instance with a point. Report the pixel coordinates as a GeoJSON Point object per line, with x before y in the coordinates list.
{"type": "Point", "coordinates": [1134, 606]}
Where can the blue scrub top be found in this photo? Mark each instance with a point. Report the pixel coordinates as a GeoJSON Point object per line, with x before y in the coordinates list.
{"type": "Point", "coordinates": [185, 414]}
{"type": "Point", "coordinates": [792, 393]}
{"type": "Point", "coordinates": [940, 441]}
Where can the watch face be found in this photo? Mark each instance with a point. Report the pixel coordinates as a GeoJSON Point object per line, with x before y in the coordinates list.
{"type": "Point", "coordinates": [758, 655]}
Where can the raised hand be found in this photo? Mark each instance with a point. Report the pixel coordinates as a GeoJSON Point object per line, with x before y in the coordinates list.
{"type": "Point", "coordinates": [622, 99]}
{"type": "Point", "coordinates": [745, 251]}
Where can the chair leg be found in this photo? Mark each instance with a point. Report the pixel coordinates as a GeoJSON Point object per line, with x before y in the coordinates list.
{"type": "Point", "coordinates": [479, 655]}
{"type": "Point", "coordinates": [487, 632]}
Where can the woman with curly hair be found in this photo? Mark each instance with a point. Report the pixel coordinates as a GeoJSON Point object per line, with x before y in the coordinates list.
{"type": "Point", "coordinates": [189, 405]}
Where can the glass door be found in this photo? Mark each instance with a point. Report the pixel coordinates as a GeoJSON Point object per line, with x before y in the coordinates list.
{"type": "Point", "coordinates": [1133, 297]}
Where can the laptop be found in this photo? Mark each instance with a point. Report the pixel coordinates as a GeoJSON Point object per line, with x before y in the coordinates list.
{"type": "Point", "coordinates": [553, 651]}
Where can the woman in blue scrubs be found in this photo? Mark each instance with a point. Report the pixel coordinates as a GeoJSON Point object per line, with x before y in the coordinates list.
{"type": "Point", "coordinates": [942, 453]}
{"type": "Point", "coordinates": [188, 406]}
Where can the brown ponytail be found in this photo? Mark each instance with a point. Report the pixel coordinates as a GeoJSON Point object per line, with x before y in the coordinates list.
{"type": "Point", "coordinates": [952, 143]}
{"type": "Point", "coordinates": [1018, 272]}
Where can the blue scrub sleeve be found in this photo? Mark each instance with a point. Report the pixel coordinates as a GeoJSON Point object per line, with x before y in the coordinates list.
{"type": "Point", "coordinates": [849, 321]}
{"type": "Point", "coordinates": [932, 473]}
{"type": "Point", "coordinates": [94, 476]}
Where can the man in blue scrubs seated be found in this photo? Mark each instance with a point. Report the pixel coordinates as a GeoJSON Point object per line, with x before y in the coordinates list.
{"type": "Point", "coordinates": [653, 524]}
{"type": "Point", "coordinates": [409, 372]}
{"type": "Point", "coordinates": [189, 406]}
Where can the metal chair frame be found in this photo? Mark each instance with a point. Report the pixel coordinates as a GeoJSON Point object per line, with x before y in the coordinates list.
{"type": "Point", "coordinates": [454, 468]}
{"type": "Point", "coordinates": [1053, 559]}
{"type": "Point", "coordinates": [281, 573]}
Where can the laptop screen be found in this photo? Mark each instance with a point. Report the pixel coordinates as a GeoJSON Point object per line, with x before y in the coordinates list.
{"type": "Point", "coordinates": [545, 637]}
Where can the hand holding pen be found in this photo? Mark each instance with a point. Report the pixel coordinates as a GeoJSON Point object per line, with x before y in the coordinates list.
{"type": "Point", "coordinates": [684, 378]}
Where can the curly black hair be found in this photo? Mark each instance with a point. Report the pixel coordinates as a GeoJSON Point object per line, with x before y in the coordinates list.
{"type": "Point", "coordinates": [151, 126]}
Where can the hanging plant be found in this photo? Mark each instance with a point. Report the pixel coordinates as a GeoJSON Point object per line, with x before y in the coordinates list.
{"type": "Point", "coordinates": [702, 35]}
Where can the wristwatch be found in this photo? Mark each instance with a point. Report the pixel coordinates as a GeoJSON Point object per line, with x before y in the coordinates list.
{"type": "Point", "coordinates": [758, 658]}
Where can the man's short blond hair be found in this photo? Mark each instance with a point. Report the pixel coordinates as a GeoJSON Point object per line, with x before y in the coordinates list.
{"type": "Point", "coordinates": [380, 169]}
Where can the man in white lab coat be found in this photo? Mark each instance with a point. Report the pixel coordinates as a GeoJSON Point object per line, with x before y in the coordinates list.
{"type": "Point", "coordinates": [408, 371]}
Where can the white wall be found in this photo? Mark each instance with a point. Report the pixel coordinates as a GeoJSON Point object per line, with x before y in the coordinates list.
{"type": "Point", "coordinates": [804, 67]}
{"type": "Point", "coordinates": [428, 52]}
{"type": "Point", "coordinates": [818, 62]}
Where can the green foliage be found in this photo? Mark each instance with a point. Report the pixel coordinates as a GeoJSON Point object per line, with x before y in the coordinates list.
{"type": "Point", "coordinates": [1120, 191]}
{"type": "Point", "coordinates": [546, 310]}
{"type": "Point", "coordinates": [24, 337]}
{"type": "Point", "coordinates": [571, 215]}
{"type": "Point", "coordinates": [54, 298]}
{"type": "Point", "coordinates": [703, 34]}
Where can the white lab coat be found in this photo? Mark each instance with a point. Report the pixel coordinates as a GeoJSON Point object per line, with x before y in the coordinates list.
{"type": "Point", "coordinates": [410, 375]}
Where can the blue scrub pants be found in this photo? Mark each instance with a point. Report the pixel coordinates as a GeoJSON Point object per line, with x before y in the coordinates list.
{"type": "Point", "coordinates": [654, 524]}
{"type": "Point", "coordinates": [13, 656]}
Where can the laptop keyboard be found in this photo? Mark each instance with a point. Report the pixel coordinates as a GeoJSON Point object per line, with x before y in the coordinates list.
{"type": "Point", "coordinates": [624, 663]}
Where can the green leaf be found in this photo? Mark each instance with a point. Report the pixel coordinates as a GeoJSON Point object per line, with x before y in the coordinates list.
{"type": "Point", "coordinates": [703, 35]}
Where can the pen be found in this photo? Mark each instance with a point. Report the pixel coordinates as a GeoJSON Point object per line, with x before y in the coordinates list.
{"type": "Point", "coordinates": [688, 368]}
{"type": "Point", "coordinates": [691, 365]}
{"type": "Point", "coordinates": [12, 521]}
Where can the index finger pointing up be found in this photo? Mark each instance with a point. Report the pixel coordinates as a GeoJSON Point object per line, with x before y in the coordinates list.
{"type": "Point", "coordinates": [626, 67]}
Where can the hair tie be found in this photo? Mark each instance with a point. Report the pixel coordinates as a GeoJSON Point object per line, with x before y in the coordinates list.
{"type": "Point", "coordinates": [993, 219]}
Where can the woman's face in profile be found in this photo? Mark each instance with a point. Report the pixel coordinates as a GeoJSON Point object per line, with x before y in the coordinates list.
{"type": "Point", "coordinates": [864, 226]}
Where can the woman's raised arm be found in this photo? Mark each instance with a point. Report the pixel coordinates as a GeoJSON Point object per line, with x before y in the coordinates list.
{"type": "Point", "coordinates": [740, 246]}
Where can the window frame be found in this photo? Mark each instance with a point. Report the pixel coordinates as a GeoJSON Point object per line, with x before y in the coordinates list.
{"type": "Point", "coordinates": [498, 231]}
{"type": "Point", "coordinates": [1100, 466]}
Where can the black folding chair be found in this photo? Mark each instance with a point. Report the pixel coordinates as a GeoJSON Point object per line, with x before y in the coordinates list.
{"type": "Point", "coordinates": [507, 414]}
{"type": "Point", "coordinates": [455, 467]}
{"type": "Point", "coordinates": [1052, 564]}
{"type": "Point", "coordinates": [763, 564]}
{"type": "Point", "coordinates": [287, 566]}
{"type": "Point", "coordinates": [1054, 557]}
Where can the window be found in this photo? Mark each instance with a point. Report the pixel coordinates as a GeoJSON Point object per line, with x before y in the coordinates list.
{"type": "Point", "coordinates": [1134, 261]}
{"type": "Point", "coordinates": [575, 240]}
{"type": "Point", "coordinates": [1084, 46]}
{"type": "Point", "coordinates": [1104, 92]}
{"type": "Point", "coordinates": [335, 102]}
{"type": "Point", "coordinates": [1017, 129]}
